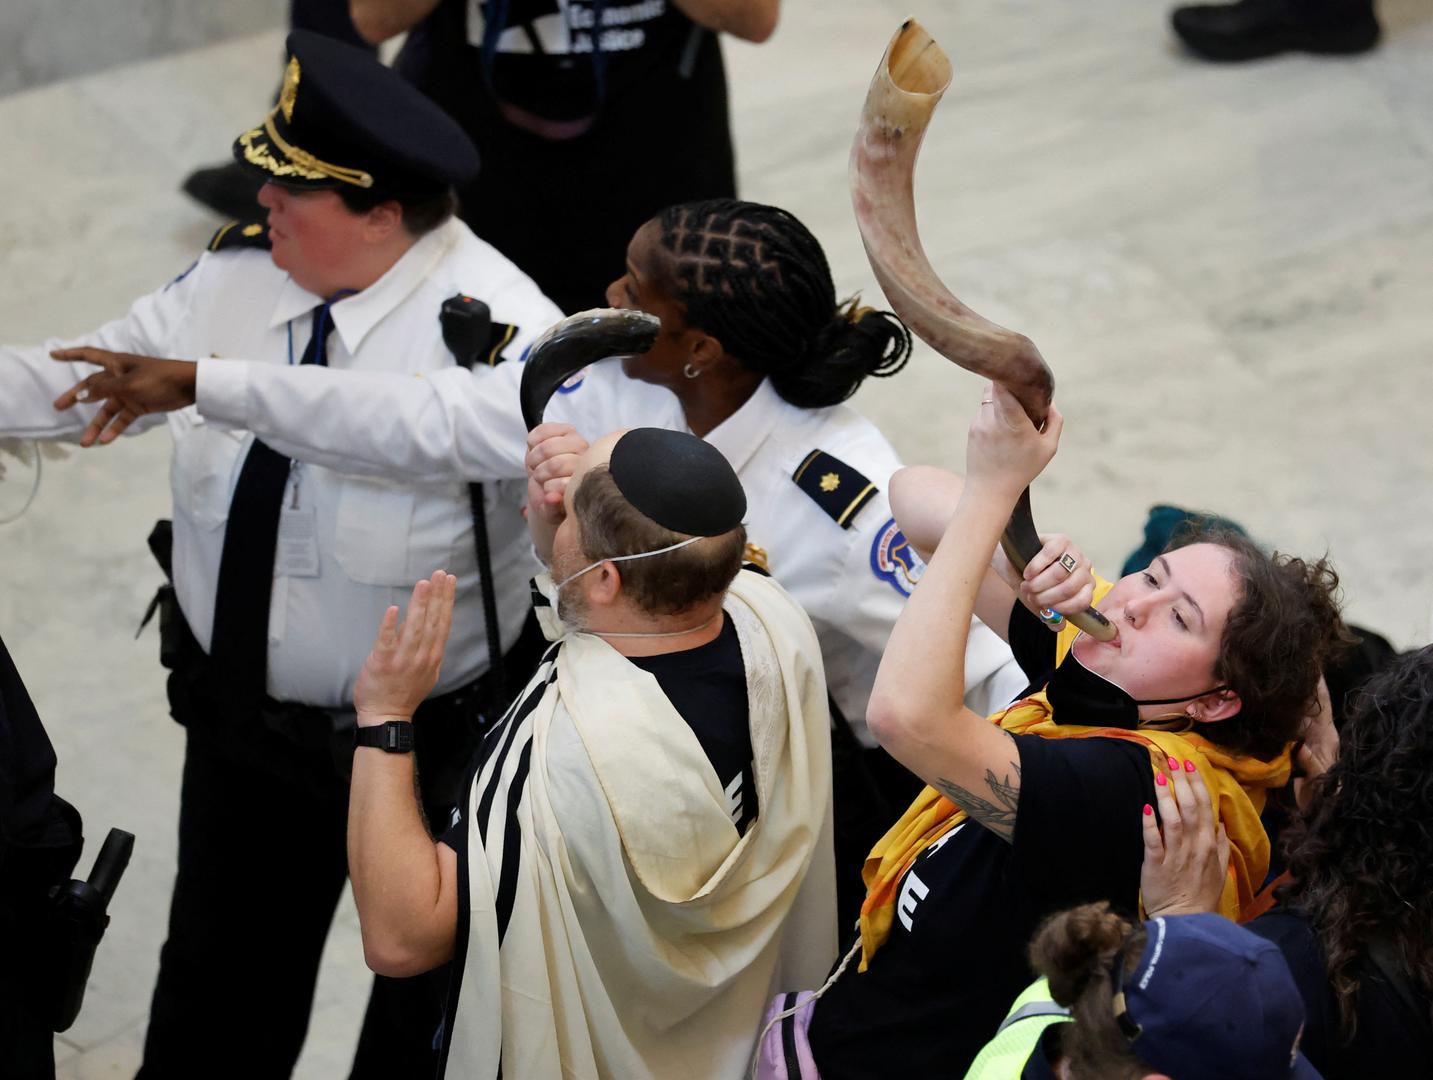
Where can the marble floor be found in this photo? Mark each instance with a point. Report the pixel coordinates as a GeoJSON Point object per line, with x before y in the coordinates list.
{"type": "Point", "coordinates": [1230, 270]}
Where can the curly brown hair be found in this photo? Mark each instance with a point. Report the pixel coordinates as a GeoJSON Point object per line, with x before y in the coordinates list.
{"type": "Point", "coordinates": [1282, 631]}
{"type": "Point", "coordinates": [1074, 950]}
{"type": "Point", "coordinates": [1362, 855]}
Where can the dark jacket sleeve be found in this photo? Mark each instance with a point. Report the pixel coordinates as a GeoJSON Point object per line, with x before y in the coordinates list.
{"type": "Point", "coordinates": [31, 814]}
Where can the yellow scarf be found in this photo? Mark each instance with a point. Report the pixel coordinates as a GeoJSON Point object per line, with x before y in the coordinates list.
{"type": "Point", "coordinates": [1236, 783]}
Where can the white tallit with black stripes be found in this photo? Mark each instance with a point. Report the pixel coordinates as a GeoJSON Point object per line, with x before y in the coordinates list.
{"type": "Point", "coordinates": [613, 923]}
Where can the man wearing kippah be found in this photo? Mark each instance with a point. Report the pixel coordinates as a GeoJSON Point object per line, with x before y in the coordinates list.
{"type": "Point", "coordinates": [642, 851]}
{"type": "Point", "coordinates": [281, 567]}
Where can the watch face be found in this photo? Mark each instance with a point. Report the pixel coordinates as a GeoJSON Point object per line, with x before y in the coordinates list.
{"type": "Point", "coordinates": [396, 736]}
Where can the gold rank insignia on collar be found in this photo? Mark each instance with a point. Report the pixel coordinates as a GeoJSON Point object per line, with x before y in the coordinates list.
{"type": "Point", "coordinates": [756, 556]}
{"type": "Point", "coordinates": [240, 234]}
{"type": "Point", "coordinates": [834, 486]}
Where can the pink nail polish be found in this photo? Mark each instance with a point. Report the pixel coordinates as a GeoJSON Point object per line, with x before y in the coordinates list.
{"type": "Point", "coordinates": [1173, 764]}
{"type": "Point", "coordinates": [1148, 810]}
{"type": "Point", "coordinates": [1189, 766]}
{"type": "Point", "coordinates": [1159, 779]}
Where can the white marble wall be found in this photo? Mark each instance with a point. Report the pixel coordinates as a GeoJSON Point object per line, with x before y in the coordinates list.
{"type": "Point", "coordinates": [1228, 268]}
{"type": "Point", "coordinates": [41, 40]}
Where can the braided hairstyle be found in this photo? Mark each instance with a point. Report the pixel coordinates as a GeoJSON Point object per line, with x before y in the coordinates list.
{"type": "Point", "coordinates": [754, 278]}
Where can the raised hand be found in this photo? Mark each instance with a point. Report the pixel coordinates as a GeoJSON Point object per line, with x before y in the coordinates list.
{"type": "Point", "coordinates": [1184, 870]}
{"type": "Point", "coordinates": [1004, 448]}
{"type": "Point", "coordinates": [403, 667]}
{"type": "Point", "coordinates": [129, 387]}
{"type": "Point", "coordinates": [552, 456]}
{"type": "Point", "coordinates": [1059, 578]}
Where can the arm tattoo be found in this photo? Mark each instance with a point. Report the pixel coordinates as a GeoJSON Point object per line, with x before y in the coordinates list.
{"type": "Point", "coordinates": [997, 816]}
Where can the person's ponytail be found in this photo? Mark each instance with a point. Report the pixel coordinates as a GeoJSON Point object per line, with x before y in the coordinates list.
{"type": "Point", "coordinates": [754, 278]}
{"type": "Point", "coordinates": [1075, 951]}
{"type": "Point", "coordinates": [855, 344]}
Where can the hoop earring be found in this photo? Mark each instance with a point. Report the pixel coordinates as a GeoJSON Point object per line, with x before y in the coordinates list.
{"type": "Point", "coordinates": [691, 371]}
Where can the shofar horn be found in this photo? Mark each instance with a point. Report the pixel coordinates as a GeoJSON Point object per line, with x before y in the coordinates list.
{"type": "Point", "coordinates": [908, 85]}
{"type": "Point", "coordinates": [568, 346]}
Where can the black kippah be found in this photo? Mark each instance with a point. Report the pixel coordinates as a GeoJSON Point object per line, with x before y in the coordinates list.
{"type": "Point", "coordinates": [679, 481]}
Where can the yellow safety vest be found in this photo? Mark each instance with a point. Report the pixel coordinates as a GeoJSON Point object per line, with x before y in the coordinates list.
{"type": "Point", "coordinates": [1004, 1056]}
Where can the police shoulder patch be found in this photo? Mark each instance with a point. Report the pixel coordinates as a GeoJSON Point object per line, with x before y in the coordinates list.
{"type": "Point", "coordinates": [241, 234]}
{"type": "Point", "coordinates": [893, 559]}
{"type": "Point", "coordinates": [573, 383]}
{"type": "Point", "coordinates": [834, 486]}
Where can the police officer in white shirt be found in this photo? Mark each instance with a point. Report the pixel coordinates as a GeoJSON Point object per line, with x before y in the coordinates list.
{"type": "Point", "coordinates": [282, 566]}
{"type": "Point", "coordinates": [755, 356]}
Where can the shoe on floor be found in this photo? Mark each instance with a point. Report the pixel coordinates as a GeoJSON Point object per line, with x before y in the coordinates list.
{"type": "Point", "coordinates": [1253, 29]}
{"type": "Point", "coordinates": [230, 190]}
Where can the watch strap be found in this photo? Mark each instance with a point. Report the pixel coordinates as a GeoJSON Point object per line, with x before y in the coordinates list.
{"type": "Point", "coordinates": [395, 736]}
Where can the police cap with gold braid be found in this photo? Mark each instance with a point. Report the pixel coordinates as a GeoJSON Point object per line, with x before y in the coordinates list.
{"type": "Point", "coordinates": [343, 118]}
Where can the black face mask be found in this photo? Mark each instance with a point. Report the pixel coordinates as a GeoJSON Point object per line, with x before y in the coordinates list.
{"type": "Point", "coordinates": [1079, 696]}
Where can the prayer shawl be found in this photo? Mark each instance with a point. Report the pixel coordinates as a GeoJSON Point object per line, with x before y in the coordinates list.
{"type": "Point", "coordinates": [612, 923]}
{"type": "Point", "coordinates": [1237, 785]}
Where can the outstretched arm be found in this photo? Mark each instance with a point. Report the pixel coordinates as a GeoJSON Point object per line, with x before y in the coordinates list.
{"type": "Point", "coordinates": [446, 423]}
{"type": "Point", "coordinates": [916, 711]}
{"type": "Point", "coordinates": [34, 389]}
{"type": "Point", "coordinates": [404, 884]}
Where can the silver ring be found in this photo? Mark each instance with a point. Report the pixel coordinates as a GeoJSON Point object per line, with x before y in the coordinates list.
{"type": "Point", "coordinates": [1069, 562]}
{"type": "Point", "coordinates": [1051, 618]}
{"type": "Point", "coordinates": [987, 401]}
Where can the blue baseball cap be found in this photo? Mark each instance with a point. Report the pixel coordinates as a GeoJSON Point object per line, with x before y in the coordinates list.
{"type": "Point", "coordinates": [1211, 1001]}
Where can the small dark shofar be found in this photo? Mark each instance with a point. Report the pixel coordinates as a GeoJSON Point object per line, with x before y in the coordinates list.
{"type": "Point", "coordinates": [578, 340]}
{"type": "Point", "coordinates": [908, 85]}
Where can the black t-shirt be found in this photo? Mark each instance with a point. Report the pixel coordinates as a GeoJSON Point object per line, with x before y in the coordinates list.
{"type": "Point", "coordinates": [1390, 1039]}
{"type": "Point", "coordinates": [966, 910]}
{"type": "Point", "coordinates": [707, 685]}
{"type": "Point", "coordinates": [564, 210]}
{"type": "Point", "coordinates": [1033, 646]}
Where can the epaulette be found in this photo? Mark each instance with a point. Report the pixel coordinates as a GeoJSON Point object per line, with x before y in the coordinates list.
{"type": "Point", "coordinates": [241, 234]}
{"type": "Point", "coordinates": [499, 339]}
{"type": "Point", "coordinates": [834, 486]}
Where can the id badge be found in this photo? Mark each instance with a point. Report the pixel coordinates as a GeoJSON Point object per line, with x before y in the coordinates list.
{"type": "Point", "coordinates": [297, 554]}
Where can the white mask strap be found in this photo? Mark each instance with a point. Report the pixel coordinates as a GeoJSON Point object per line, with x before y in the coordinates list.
{"type": "Point", "coordinates": [625, 558]}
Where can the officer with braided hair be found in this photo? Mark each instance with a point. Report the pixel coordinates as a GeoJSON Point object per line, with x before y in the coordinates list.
{"type": "Point", "coordinates": [756, 356]}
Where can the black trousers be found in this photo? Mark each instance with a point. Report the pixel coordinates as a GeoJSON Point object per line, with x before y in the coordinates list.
{"type": "Point", "coordinates": [262, 864]}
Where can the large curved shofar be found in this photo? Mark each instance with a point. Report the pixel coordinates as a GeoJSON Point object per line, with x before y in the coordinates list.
{"type": "Point", "coordinates": [908, 85]}
{"type": "Point", "coordinates": [568, 346]}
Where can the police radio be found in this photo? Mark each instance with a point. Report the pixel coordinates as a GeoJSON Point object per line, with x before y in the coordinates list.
{"type": "Point", "coordinates": [78, 917]}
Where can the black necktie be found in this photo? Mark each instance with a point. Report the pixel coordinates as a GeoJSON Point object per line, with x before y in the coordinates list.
{"type": "Point", "coordinates": [240, 645]}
